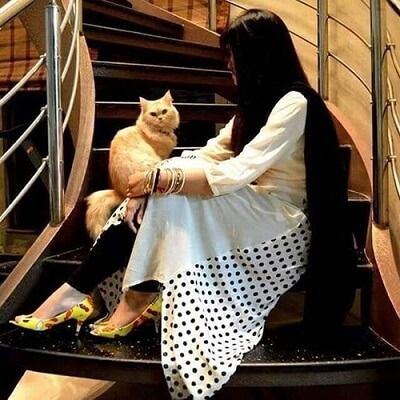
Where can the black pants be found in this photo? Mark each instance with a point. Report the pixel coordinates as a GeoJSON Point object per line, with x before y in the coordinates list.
{"type": "Point", "coordinates": [111, 253]}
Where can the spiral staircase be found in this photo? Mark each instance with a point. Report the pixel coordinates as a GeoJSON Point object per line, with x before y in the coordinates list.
{"type": "Point", "coordinates": [141, 51]}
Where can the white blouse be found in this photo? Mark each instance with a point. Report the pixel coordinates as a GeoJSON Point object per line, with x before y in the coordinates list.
{"type": "Point", "coordinates": [273, 161]}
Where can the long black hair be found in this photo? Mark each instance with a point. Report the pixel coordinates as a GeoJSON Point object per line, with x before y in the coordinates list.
{"type": "Point", "coordinates": [266, 63]}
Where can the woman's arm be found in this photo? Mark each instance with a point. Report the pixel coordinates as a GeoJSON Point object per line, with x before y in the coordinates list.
{"type": "Point", "coordinates": [196, 183]}
{"type": "Point", "coordinates": [273, 143]}
{"type": "Point", "coordinates": [276, 140]}
{"type": "Point", "coordinates": [217, 148]}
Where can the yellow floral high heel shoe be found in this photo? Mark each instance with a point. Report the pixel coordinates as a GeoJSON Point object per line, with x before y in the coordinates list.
{"type": "Point", "coordinates": [151, 313]}
{"type": "Point", "coordinates": [80, 313]}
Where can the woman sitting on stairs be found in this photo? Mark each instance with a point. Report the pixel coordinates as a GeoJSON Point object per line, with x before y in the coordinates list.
{"type": "Point", "coordinates": [213, 256]}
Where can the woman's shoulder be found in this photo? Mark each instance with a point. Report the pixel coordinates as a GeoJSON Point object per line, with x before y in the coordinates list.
{"type": "Point", "coordinates": [292, 102]}
{"type": "Point", "coordinates": [293, 97]}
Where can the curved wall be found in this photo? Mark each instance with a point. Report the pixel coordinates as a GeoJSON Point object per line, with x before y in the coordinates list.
{"type": "Point", "coordinates": [346, 91]}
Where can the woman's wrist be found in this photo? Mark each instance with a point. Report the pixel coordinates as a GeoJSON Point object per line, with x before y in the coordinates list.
{"type": "Point", "coordinates": [162, 181]}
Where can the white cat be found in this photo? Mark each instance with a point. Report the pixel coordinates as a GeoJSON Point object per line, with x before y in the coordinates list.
{"type": "Point", "coordinates": [136, 148]}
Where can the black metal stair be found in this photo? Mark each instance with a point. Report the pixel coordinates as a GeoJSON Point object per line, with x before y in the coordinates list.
{"type": "Point", "coordinates": [129, 110]}
{"type": "Point", "coordinates": [161, 75]}
{"type": "Point", "coordinates": [283, 358]}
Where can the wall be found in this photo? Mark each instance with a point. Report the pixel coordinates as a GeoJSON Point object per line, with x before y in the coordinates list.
{"type": "Point", "coordinates": [346, 91]}
{"type": "Point", "coordinates": [393, 24]}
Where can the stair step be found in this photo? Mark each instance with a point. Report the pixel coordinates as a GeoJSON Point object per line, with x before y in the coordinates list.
{"type": "Point", "coordinates": [128, 81]}
{"type": "Point", "coordinates": [117, 41]}
{"type": "Point", "coordinates": [282, 358]}
{"type": "Point", "coordinates": [188, 111]}
{"type": "Point", "coordinates": [110, 14]}
{"type": "Point", "coordinates": [162, 75]}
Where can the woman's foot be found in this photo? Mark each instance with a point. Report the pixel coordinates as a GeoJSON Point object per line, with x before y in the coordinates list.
{"type": "Point", "coordinates": [59, 301]}
{"type": "Point", "coordinates": [132, 304]}
{"type": "Point", "coordinates": [65, 304]}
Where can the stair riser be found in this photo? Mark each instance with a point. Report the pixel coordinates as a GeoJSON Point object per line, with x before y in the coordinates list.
{"type": "Point", "coordinates": [122, 18]}
{"type": "Point", "coordinates": [135, 46]}
{"type": "Point", "coordinates": [130, 112]}
{"type": "Point", "coordinates": [174, 80]}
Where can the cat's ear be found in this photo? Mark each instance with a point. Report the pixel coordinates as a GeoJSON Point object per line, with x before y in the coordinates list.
{"type": "Point", "coordinates": [167, 97]}
{"type": "Point", "coordinates": [143, 103]}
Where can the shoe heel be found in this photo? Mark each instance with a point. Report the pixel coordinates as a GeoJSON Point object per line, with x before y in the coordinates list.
{"type": "Point", "coordinates": [157, 324]}
{"type": "Point", "coordinates": [78, 326]}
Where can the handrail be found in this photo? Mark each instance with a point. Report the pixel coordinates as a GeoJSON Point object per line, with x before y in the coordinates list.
{"type": "Point", "coordinates": [67, 16]}
{"type": "Point", "coordinates": [355, 74]}
{"type": "Point", "coordinates": [307, 5]}
{"type": "Point", "coordinates": [393, 57]}
{"type": "Point", "coordinates": [356, 34]}
{"type": "Point", "coordinates": [75, 83]}
{"type": "Point", "coordinates": [53, 111]}
{"type": "Point", "coordinates": [10, 94]}
{"type": "Point", "coordinates": [24, 190]}
{"type": "Point", "coordinates": [24, 135]}
{"type": "Point", "coordinates": [392, 106]}
{"type": "Point", "coordinates": [392, 160]}
{"type": "Point", "coordinates": [73, 43]}
{"type": "Point", "coordinates": [11, 9]}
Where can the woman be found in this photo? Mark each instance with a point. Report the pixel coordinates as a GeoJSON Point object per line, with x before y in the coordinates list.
{"type": "Point", "coordinates": [225, 229]}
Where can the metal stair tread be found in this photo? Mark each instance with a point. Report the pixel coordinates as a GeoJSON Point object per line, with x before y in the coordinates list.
{"type": "Point", "coordinates": [121, 64]}
{"type": "Point", "coordinates": [281, 351]}
{"type": "Point", "coordinates": [128, 15]}
{"type": "Point", "coordinates": [150, 36]}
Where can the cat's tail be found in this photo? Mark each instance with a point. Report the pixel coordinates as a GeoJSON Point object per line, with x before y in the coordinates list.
{"type": "Point", "coordinates": [100, 205]}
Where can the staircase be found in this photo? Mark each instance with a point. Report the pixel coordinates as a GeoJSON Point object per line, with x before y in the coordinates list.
{"type": "Point", "coordinates": [134, 55]}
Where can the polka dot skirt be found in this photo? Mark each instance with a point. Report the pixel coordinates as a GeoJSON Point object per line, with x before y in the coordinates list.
{"type": "Point", "coordinates": [214, 312]}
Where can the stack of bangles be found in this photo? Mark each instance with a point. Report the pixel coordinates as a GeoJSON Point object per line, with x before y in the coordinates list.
{"type": "Point", "coordinates": [175, 183]}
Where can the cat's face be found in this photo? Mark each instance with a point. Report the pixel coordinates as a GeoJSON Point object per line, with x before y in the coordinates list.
{"type": "Point", "coordinates": [159, 114]}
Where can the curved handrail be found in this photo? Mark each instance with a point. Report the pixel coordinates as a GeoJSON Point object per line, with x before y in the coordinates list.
{"type": "Point", "coordinates": [393, 57]}
{"type": "Point", "coordinates": [10, 94]}
{"type": "Point", "coordinates": [351, 70]}
{"type": "Point", "coordinates": [392, 160]}
{"type": "Point", "coordinates": [12, 9]}
{"type": "Point", "coordinates": [392, 106]}
{"type": "Point", "coordinates": [351, 30]}
{"type": "Point", "coordinates": [53, 30]}
{"type": "Point", "coordinates": [81, 126]}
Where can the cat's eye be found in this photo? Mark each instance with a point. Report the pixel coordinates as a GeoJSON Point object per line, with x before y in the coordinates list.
{"type": "Point", "coordinates": [164, 111]}
{"type": "Point", "coordinates": [153, 114]}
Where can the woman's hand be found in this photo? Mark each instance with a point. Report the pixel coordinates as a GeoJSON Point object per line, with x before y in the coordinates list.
{"type": "Point", "coordinates": [135, 185]}
{"type": "Point", "coordinates": [135, 206]}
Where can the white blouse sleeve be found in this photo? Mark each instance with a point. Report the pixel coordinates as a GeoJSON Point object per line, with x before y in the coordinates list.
{"type": "Point", "coordinates": [217, 148]}
{"type": "Point", "coordinates": [276, 139]}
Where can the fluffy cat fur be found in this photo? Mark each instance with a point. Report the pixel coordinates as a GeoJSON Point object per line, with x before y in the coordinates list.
{"type": "Point", "coordinates": [135, 148]}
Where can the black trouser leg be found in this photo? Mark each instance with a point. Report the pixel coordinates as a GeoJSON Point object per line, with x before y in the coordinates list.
{"type": "Point", "coordinates": [111, 253]}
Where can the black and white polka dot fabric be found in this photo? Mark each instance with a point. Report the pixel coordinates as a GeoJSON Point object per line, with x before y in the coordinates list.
{"type": "Point", "coordinates": [111, 290]}
{"type": "Point", "coordinates": [214, 312]}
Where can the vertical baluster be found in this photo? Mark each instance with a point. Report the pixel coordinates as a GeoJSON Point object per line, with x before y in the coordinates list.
{"type": "Point", "coordinates": [54, 120]}
{"type": "Point", "coordinates": [379, 115]}
{"type": "Point", "coordinates": [212, 14]}
{"type": "Point", "coordinates": [323, 48]}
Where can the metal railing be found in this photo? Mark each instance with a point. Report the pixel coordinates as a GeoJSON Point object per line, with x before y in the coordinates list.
{"type": "Point", "coordinates": [379, 89]}
{"type": "Point", "coordinates": [392, 104]}
{"type": "Point", "coordinates": [56, 124]}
